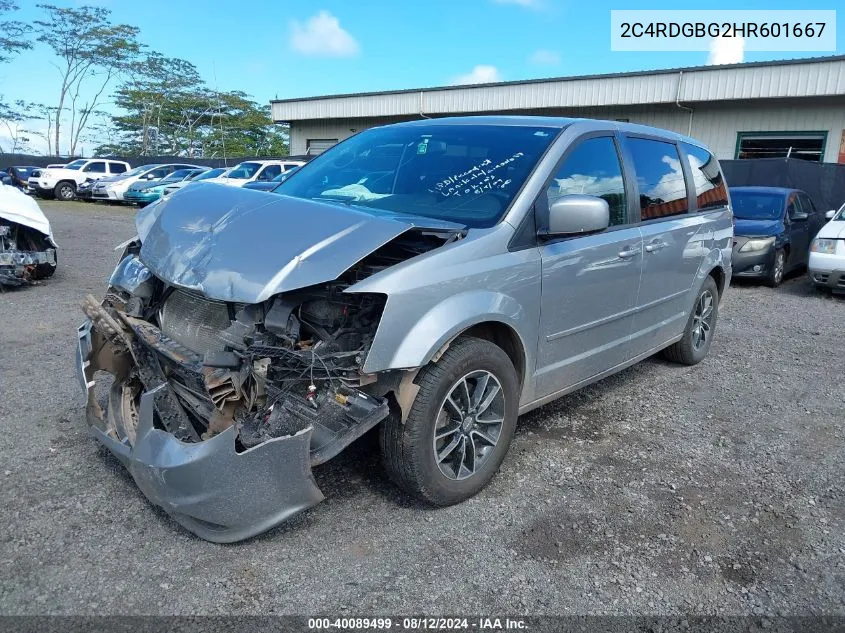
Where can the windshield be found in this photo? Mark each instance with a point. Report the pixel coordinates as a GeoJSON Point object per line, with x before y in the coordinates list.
{"type": "Point", "coordinates": [137, 171]}
{"type": "Point", "coordinates": [176, 176]}
{"type": "Point", "coordinates": [211, 173]}
{"type": "Point", "coordinates": [244, 170]}
{"type": "Point", "coordinates": [753, 205]}
{"type": "Point", "coordinates": [463, 173]}
{"type": "Point", "coordinates": [76, 164]}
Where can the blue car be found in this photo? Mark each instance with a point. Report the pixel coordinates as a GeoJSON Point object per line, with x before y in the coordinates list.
{"type": "Point", "coordinates": [772, 232]}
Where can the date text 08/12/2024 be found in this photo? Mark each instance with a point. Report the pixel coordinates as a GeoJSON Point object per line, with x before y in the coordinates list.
{"type": "Point", "coordinates": [417, 623]}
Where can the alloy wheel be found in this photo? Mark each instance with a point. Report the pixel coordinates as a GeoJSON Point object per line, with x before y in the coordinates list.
{"type": "Point", "coordinates": [702, 320]}
{"type": "Point", "coordinates": [469, 424]}
{"type": "Point", "coordinates": [780, 264]}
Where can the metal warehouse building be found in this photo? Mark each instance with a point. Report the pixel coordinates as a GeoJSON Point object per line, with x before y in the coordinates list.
{"type": "Point", "coordinates": [768, 109]}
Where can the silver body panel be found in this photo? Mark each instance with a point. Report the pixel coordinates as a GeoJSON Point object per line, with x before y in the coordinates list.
{"type": "Point", "coordinates": [577, 307]}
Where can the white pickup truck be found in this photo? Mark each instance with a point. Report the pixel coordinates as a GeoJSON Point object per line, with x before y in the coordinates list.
{"type": "Point", "coordinates": [62, 182]}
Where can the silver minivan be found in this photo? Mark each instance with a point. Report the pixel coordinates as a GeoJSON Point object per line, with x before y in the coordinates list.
{"type": "Point", "coordinates": [435, 279]}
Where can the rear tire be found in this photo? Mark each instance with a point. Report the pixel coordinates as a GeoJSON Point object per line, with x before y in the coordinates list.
{"type": "Point", "coordinates": [65, 191]}
{"type": "Point", "coordinates": [410, 450]}
{"type": "Point", "coordinates": [701, 326]}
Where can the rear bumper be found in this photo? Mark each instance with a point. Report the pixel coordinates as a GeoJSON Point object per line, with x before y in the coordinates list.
{"type": "Point", "coordinates": [217, 493]}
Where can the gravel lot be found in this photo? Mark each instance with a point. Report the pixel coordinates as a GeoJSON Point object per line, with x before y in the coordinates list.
{"type": "Point", "coordinates": [662, 490]}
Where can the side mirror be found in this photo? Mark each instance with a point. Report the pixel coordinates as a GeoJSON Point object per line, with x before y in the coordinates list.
{"type": "Point", "coordinates": [829, 215]}
{"type": "Point", "coordinates": [798, 216]}
{"type": "Point", "coordinates": [577, 213]}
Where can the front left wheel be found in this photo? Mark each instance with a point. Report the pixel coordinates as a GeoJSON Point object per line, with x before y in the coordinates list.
{"type": "Point", "coordinates": [459, 427]}
{"type": "Point", "coordinates": [65, 191]}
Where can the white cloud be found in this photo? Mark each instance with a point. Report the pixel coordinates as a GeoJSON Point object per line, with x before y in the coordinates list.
{"type": "Point", "coordinates": [531, 4]}
{"type": "Point", "coordinates": [482, 74]}
{"type": "Point", "coordinates": [545, 58]}
{"type": "Point", "coordinates": [726, 50]}
{"type": "Point", "coordinates": [322, 35]}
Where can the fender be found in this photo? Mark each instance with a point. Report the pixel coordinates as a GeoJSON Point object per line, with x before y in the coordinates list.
{"type": "Point", "coordinates": [713, 259]}
{"type": "Point", "coordinates": [422, 339]}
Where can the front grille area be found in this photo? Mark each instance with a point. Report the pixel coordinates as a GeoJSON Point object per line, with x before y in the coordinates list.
{"type": "Point", "coordinates": [194, 321]}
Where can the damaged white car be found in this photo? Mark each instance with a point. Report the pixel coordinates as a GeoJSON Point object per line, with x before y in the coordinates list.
{"type": "Point", "coordinates": [27, 247]}
{"type": "Point", "coordinates": [436, 278]}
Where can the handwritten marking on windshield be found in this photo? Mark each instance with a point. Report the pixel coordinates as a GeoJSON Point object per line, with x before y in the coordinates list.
{"type": "Point", "coordinates": [476, 180]}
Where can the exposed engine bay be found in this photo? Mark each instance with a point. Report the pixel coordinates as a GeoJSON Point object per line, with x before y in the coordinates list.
{"type": "Point", "coordinates": [267, 370]}
{"type": "Point", "coordinates": [270, 369]}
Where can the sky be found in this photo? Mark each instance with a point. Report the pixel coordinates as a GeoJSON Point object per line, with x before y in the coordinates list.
{"type": "Point", "coordinates": [297, 48]}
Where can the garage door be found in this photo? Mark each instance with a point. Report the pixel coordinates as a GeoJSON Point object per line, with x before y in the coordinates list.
{"type": "Point", "coordinates": [319, 145]}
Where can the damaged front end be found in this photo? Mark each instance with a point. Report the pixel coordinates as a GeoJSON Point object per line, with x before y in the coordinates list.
{"type": "Point", "coordinates": [227, 356]}
{"type": "Point", "coordinates": [26, 254]}
{"type": "Point", "coordinates": [219, 409]}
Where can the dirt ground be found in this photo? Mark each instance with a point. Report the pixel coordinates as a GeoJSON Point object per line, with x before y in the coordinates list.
{"type": "Point", "coordinates": [715, 489]}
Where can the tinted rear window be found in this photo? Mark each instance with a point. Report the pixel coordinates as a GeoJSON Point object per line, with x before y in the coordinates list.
{"type": "Point", "coordinates": [660, 178]}
{"type": "Point", "coordinates": [710, 189]}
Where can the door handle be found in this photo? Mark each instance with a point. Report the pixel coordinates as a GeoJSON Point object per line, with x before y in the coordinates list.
{"type": "Point", "coordinates": [655, 246]}
{"type": "Point", "coordinates": [629, 252]}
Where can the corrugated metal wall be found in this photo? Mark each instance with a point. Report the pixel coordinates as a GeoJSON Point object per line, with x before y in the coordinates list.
{"type": "Point", "coordinates": [714, 124]}
{"type": "Point", "coordinates": [703, 84]}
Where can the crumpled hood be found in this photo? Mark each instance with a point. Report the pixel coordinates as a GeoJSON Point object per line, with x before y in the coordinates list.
{"type": "Point", "coordinates": [233, 244]}
{"type": "Point", "coordinates": [16, 206]}
{"type": "Point", "coordinates": [758, 228]}
{"type": "Point", "coordinates": [833, 230]}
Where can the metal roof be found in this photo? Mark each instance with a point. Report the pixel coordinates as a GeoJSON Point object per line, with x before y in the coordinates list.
{"type": "Point", "coordinates": [794, 78]}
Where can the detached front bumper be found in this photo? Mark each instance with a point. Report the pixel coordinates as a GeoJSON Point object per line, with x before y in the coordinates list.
{"type": "Point", "coordinates": [208, 487]}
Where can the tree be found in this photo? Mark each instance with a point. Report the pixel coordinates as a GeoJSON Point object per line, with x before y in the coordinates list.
{"type": "Point", "coordinates": [92, 52]}
{"type": "Point", "coordinates": [167, 110]}
{"type": "Point", "coordinates": [12, 33]}
{"type": "Point", "coordinates": [11, 117]}
{"type": "Point", "coordinates": [244, 128]}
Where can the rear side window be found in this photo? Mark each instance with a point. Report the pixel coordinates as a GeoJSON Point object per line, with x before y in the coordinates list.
{"type": "Point", "coordinates": [117, 168]}
{"type": "Point", "coordinates": [807, 204]}
{"type": "Point", "coordinates": [710, 190]}
{"type": "Point", "coordinates": [270, 172]}
{"type": "Point", "coordinates": [593, 169]}
{"type": "Point", "coordinates": [660, 178]}
{"type": "Point", "coordinates": [96, 168]}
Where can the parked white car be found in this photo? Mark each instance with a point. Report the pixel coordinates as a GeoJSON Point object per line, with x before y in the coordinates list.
{"type": "Point", "coordinates": [62, 182]}
{"type": "Point", "coordinates": [827, 253]}
{"type": "Point", "coordinates": [253, 170]}
{"type": "Point", "coordinates": [113, 189]}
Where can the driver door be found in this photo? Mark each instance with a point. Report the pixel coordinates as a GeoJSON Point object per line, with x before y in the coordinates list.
{"type": "Point", "coordinates": [589, 283]}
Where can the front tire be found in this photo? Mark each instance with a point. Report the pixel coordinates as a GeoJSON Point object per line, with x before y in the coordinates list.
{"type": "Point", "coordinates": [777, 270]}
{"type": "Point", "coordinates": [701, 326]}
{"type": "Point", "coordinates": [65, 191]}
{"type": "Point", "coordinates": [460, 425]}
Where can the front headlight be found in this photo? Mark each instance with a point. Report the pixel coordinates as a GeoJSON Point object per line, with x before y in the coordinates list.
{"type": "Point", "coordinates": [821, 245]}
{"type": "Point", "coordinates": [760, 244]}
